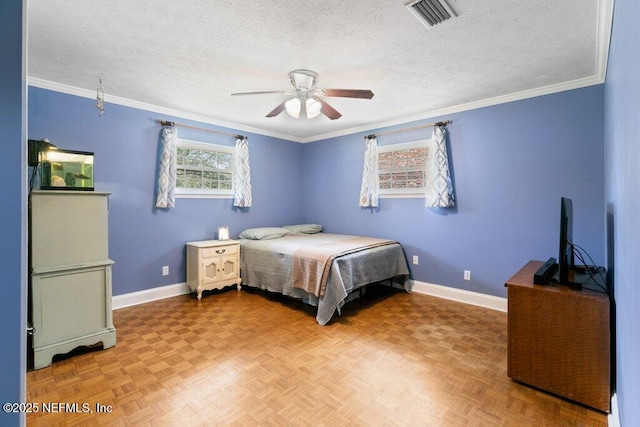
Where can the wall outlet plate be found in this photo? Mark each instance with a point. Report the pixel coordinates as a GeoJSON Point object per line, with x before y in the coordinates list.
{"type": "Point", "coordinates": [467, 275]}
{"type": "Point", "coordinates": [415, 260]}
{"type": "Point", "coordinates": [165, 270]}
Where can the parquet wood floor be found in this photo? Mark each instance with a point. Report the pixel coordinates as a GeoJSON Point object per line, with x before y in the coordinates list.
{"type": "Point", "coordinates": [240, 358]}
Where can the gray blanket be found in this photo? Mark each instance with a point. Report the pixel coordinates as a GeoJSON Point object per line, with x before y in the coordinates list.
{"type": "Point", "coordinates": [312, 264]}
{"type": "Point", "coordinates": [268, 265]}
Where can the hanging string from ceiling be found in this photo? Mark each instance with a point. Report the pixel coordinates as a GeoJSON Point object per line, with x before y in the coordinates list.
{"type": "Point", "coordinates": [391, 132]}
{"type": "Point", "coordinates": [100, 99]}
{"type": "Point", "coordinates": [182, 125]}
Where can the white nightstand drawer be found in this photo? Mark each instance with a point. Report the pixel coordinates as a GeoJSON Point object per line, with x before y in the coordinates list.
{"type": "Point", "coordinates": [219, 251]}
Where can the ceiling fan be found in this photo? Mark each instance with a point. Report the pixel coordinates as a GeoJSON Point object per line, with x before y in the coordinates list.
{"type": "Point", "coordinates": [307, 98]}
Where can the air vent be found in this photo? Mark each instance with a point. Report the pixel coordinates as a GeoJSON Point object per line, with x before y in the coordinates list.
{"type": "Point", "coordinates": [431, 12]}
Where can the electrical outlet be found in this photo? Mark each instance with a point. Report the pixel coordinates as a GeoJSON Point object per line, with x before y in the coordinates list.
{"type": "Point", "coordinates": [165, 270]}
{"type": "Point", "coordinates": [415, 260]}
{"type": "Point", "coordinates": [467, 275]}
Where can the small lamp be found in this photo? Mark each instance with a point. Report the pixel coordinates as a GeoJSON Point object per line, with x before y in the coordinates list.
{"type": "Point", "coordinates": [223, 233]}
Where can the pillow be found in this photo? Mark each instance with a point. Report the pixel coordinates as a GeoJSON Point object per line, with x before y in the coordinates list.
{"type": "Point", "coordinates": [304, 228]}
{"type": "Point", "coordinates": [263, 233]}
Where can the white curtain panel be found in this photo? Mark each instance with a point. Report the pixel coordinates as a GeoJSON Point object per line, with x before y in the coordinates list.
{"type": "Point", "coordinates": [241, 174]}
{"type": "Point", "coordinates": [167, 173]}
{"type": "Point", "coordinates": [439, 187]}
{"type": "Point", "coordinates": [369, 187]}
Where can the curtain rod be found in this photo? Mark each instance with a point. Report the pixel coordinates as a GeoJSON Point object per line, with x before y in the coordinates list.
{"type": "Point", "coordinates": [167, 123]}
{"type": "Point", "coordinates": [391, 132]}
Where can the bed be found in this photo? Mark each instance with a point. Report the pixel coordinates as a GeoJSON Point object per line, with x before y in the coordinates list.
{"type": "Point", "coordinates": [291, 260]}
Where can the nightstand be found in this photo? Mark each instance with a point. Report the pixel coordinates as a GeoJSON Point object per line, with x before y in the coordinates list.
{"type": "Point", "coordinates": [213, 264]}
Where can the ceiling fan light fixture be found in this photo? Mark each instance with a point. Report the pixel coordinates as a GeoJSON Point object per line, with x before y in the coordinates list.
{"type": "Point", "coordinates": [307, 99]}
{"type": "Point", "coordinates": [313, 108]}
{"type": "Point", "coordinates": [303, 79]}
{"type": "Point", "coordinates": [293, 107]}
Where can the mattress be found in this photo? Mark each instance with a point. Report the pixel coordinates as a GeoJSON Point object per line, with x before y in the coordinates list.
{"type": "Point", "coordinates": [268, 265]}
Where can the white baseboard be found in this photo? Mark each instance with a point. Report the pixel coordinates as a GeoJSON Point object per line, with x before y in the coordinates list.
{"type": "Point", "coordinates": [148, 295]}
{"type": "Point", "coordinates": [461, 295]}
{"type": "Point", "coordinates": [613, 420]}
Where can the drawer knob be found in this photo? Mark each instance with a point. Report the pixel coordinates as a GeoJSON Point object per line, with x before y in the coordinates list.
{"type": "Point", "coordinates": [220, 251]}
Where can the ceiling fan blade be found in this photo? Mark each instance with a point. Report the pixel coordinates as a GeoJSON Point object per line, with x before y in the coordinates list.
{"type": "Point", "coordinates": [348, 93]}
{"type": "Point", "coordinates": [279, 109]}
{"type": "Point", "coordinates": [328, 110]}
{"type": "Point", "coordinates": [265, 92]}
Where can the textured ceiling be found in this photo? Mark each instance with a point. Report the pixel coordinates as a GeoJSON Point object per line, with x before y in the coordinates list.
{"type": "Point", "coordinates": [188, 56]}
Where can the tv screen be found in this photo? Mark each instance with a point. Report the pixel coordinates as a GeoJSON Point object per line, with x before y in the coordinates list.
{"type": "Point", "coordinates": [565, 254]}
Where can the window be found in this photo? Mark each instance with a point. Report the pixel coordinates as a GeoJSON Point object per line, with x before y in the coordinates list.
{"type": "Point", "coordinates": [204, 170]}
{"type": "Point", "coordinates": [402, 169]}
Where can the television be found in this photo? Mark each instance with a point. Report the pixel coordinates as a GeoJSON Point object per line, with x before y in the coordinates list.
{"type": "Point", "coordinates": [565, 251]}
{"type": "Point", "coordinates": [564, 271]}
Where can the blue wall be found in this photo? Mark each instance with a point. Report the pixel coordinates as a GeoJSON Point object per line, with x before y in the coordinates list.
{"type": "Point", "coordinates": [511, 163]}
{"type": "Point", "coordinates": [126, 143]}
{"type": "Point", "coordinates": [622, 136]}
{"type": "Point", "coordinates": [13, 215]}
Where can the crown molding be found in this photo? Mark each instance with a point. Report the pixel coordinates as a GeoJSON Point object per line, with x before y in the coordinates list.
{"type": "Point", "coordinates": [235, 127]}
{"type": "Point", "coordinates": [516, 96]}
{"type": "Point", "coordinates": [126, 102]}
{"type": "Point", "coordinates": [604, 24]}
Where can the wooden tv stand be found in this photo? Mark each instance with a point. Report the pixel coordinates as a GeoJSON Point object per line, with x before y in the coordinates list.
{"type": "Point", "coordinates": [558, 339]}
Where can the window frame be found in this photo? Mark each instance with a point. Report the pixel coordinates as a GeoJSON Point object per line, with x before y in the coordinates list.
{"type": "Point", "coordinates": [407, 193]}
{"type": "Point", "coordinates": [211, 193]}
